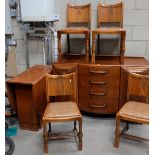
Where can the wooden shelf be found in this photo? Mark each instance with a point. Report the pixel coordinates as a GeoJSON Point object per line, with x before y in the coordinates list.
{"type": "Point", "coordinates": [74, 54]}
{"type": "Point", "coordinates": [106, 55]}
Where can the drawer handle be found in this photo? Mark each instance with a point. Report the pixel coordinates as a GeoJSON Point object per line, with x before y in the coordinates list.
{"type": "Point", "coordinates": [98, 72]}
{"type": "Point", "coordinates": [98, 94]}
{"type": "Point", "coordinates": [97, 106]}
{"type": "Point", "coordinates": [94, 82]}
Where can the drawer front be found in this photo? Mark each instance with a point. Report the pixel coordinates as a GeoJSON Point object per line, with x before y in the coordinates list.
{"type": "Point", "coordinates": [104, 72]}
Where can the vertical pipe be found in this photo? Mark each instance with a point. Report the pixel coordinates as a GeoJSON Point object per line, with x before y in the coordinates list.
{"type": "Point", "coordinates": [27, 50]}
{"type": "Point", "coordinates": [44, 57]}
{"type": "Point", "coordinates": [55, 53]}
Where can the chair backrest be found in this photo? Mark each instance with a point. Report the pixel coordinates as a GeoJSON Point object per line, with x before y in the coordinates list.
{"type": "Point", "coordinates": [79, 14]}
{"type": "Point", "coordinates": [61, 85]}
{"type": "Point", "coordinates": [59, 69]}
{"type": "Point", "coordinates": [110, 14]}
{"type": "Point", "coordinates": [138, 85]}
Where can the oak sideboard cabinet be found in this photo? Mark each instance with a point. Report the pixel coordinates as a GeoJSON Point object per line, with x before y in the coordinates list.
{"type": "Point", "coordinates": [101, 88]}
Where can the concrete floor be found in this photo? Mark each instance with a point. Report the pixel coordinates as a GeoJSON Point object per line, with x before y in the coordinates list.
{"type": "Point", "coordinates": [98, 139]}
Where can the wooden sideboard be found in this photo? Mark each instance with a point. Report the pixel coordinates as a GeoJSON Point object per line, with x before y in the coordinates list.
{"type": "Point", "coordinates": [27, 96]}
{"type": "Point", "coordinates": [101, 88]}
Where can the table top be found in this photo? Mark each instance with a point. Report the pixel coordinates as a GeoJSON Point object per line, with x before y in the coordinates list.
{"type": "Point", "coordinates": [31, 75]}
{"type": "Point", "coordinates": [135, 61]}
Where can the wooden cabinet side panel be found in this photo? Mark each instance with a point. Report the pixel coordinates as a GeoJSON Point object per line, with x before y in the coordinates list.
{"type": "Point", "coordinates": [123, 87]}
{"type": "Point", "coordinates": [39, 97]}
{"type": "Point", "coordinates": [11, 96]}
{"type": "Point", "coordinates": [83, 87]}
{"type": "Point", "coordinates": [26, 111]}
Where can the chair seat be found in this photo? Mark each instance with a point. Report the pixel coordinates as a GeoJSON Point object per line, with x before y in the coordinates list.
{"type": "Point", "coordinates": [135, 109]}
{"type": "Point", "coordinates": [109, 30]}
{"type": "Point", "coordinates": [75, 30]}
{"type": "Point", "coordinates": [59, 110]}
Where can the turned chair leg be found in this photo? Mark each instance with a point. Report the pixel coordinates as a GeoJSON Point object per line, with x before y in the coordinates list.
{"type": "Point", "coordinates": [45, 137]}
{"type": "Point", "coordinates": [87, 47]}
{"type": "Point", "coordinates": [80, 134]}
{"type": "Point", "coordinates": [93, 47]}
{"type": "Point", "coordinates": [117, 132]}
{"type": "Point", "coordinates": [59, 48]}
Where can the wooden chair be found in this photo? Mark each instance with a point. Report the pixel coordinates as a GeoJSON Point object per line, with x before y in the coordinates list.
{"type": "Point", "coordinates": [76, 15]}
{"type": "Point", "coordinates": [133, 111]}
{"type": "Point", "coordinates": [61, 85]}
{"type": "Point", "coordinates": [107, 16]}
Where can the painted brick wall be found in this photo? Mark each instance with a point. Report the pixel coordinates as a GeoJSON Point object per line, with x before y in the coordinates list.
{"type": "Point", "coordinates": [136, 23]}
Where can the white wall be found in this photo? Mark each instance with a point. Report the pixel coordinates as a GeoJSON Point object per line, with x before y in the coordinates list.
{"type": "Point", "coordinates": [136, 23]}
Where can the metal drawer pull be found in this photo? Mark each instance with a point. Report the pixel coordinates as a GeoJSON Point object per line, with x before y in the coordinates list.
{"type": "Point", "coordinates": [98, 94]}
{"type": "Point", "coordinates": [98, 72]}
{"type": "Point", "coordinates": [94, 82]}
{"type": "Point", "coordinates": [98, 106]}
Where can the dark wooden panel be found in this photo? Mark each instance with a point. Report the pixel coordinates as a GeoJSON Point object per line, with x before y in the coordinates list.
{"type": "Point", "coordinates": [39, 97]}
{"type": "Point", "coordinates": [26, 110]}
{"type": "Point", "coordinates": [83, 85]}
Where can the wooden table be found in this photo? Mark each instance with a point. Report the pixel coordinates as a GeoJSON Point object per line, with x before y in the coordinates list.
{"type": "Point", "coordinates": [27, 96]}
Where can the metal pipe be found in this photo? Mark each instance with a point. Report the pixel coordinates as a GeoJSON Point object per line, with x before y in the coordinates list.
{"type": "Point", "coordinates": [44, 61]}
{"type": "Point", "coordinates": [55, 55]}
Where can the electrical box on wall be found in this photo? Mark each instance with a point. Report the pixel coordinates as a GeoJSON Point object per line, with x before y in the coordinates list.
{"type": "Point", "coordinates": [38, 10]}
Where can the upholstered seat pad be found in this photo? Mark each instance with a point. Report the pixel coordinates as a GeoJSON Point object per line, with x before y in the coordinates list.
{"type": "Point", "coordinates": [61, 109]}
{"type": "Point", "coordinates": [109, 30]}
{"type": "Point", "coordinates": [135, 109]}
{"type": "Point", "coordinates": [75, 30]}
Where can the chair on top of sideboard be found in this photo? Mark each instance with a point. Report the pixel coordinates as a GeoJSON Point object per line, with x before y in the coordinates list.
{"type": "Point", "coordinates": [110, 21]}
{"type": "Point", "coordinates": [77, 16]}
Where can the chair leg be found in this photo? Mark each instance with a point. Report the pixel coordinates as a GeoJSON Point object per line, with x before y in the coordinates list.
{"type": "Point", "coordinates": [80, 134]}
{"type": "Point", "coordinates": [59, 48]}
{"type": "Point", "coordinates": [127, 126]}
{"type": "Point", "coordinates": [98, 42]}
{"type": "Point", "coordinates": [117, 132]}
{"type": "Point", "coordinates": [87, 47]}
{"type": "Point", "coordinates": [45, 137]}
{"type": "Point", "coordinates": [49, 127]}
{"type": "Point", "coordinates": [93, 47]}
{"type": "Point", "coordinates": [68, 43]}
{"type": "Point", "coordinates": [74, 125]}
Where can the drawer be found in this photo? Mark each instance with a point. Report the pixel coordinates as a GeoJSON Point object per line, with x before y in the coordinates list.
{"type": "Point", "coordinates": [101, 72]}
{"type": "Point", "coordinates": [103, 83]}
{"type": "Point", "coordinates": [105, 108]}
{"type": "Point", "coordinates": [106, 101]}
{"type": "Point", "coordinates": [99, 97]}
